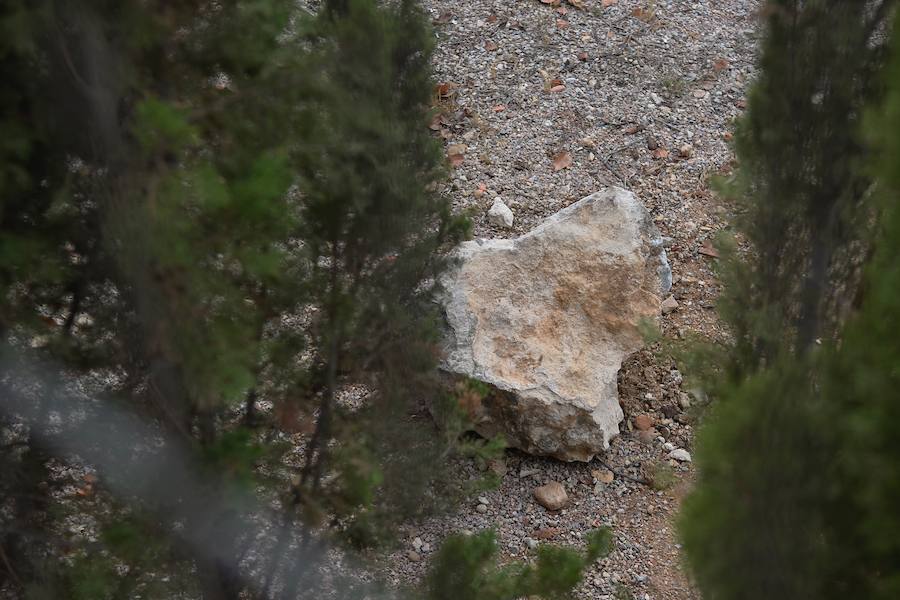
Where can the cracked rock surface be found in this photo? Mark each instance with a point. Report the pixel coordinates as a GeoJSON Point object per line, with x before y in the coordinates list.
{"type": "Point", "coordinates": [547, 319]}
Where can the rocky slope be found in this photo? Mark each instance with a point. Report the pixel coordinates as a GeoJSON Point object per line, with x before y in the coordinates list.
{"type": "Point", "coordinates": [545, 103]}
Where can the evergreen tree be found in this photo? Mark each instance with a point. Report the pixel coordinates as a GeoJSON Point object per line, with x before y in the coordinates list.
{"type": "Point", "coordinates": [783, 492]}
{"type": "Point", "coordinates": [206, 205]}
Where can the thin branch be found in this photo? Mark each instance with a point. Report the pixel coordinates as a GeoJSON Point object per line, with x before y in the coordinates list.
{"type": "Point", "coordinates": [74, 307]}
{"type": "Point", "coordinates": [67, 58]}
{"type": "Point", "coordinates": [641, 481]}
{"type": "Point", "coordinates": [9, 567]}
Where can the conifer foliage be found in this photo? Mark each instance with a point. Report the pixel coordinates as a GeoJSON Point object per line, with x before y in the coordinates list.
{"type": "Point", "coordinates": [219, 235]}
{"type": "Point", "coordinates": [798, 452]}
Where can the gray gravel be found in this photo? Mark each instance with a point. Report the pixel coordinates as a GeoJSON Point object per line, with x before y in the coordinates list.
{"type": "Point", "coordinates": [645, 97]}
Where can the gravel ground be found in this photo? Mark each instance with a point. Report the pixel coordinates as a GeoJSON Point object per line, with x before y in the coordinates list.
{"type": "Point", "coordinates": [544, 103]}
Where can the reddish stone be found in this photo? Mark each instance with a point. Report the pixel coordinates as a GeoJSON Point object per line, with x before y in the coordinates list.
{"type": "Point", "coordinates": [643, 422]}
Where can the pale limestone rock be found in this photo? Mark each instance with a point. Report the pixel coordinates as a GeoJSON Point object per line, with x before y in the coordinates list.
{"type": "Point", "coordinates": [547, 318]}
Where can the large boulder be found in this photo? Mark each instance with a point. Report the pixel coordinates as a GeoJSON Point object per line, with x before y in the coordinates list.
{"type": "Point", "coordinates": [547, 318]}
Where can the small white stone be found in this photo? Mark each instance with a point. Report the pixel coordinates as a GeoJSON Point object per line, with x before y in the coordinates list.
{"type": "Point", "coordinates": [669, 446]}
{"type": "Point", "coordinates": [681, 455]}
{"type": "Point", "coordinates": [500, 214]}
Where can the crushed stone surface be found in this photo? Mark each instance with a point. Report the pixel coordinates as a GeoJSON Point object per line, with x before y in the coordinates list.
{"type": "Point", "coordinates": [542, 104]}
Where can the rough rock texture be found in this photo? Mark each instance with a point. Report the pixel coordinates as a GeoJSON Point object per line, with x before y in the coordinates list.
{"type": "Point", "coordinates": [547, 318]}
{"type": "Point", "coordinates": [551, 496]}
{"type": "Point", "coordinates": [500, 214]}
{"type": "Point", "coordinates": [643, 422]}
{"type": "Point", "coordinates": [680, 454]}
{"type": "Point", "coordinates": [669, 304]}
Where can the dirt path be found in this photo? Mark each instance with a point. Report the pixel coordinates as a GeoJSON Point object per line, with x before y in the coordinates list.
{"type": "Point", "coordinates": [640, 94]}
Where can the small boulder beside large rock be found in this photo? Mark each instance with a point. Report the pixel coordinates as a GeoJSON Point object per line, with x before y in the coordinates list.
{"type": "Point", "coordinates": [551, 496]}
{"type": "Point", "coordinates": [500, 214]}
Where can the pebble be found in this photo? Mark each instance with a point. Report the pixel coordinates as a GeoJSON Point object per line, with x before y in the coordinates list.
{"type": "Point", "coordinates": [413, 556]}
{"type": "Point", "coordinates": [681, 455]}
{"type": "Point", "coordinates": [670, 411]}
{"type": "Point", "coordinates": [648, 436]}
{"type": "Point", "coordinates": [546, 533]}
{"type": "Point", "coordinates": [603, 475]}
{"type": "Point", "coordinates": [500, 214]}
{"type": "Point", "coordinates": [669, 304]}
{"type": "Point", "coordinates": [482, 508]}
{"type": "Point", "coordinates": [643, 422]}
{"type": "Point", "coordinates": [551, 496]}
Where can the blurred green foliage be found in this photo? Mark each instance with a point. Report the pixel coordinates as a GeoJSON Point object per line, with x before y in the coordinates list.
{"type": "Point", "coordinates": [798, 454]}
{"type": "Point", "coordinates": [466, 569]}
{"type": "Point", "coordinates": [220, 206]}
